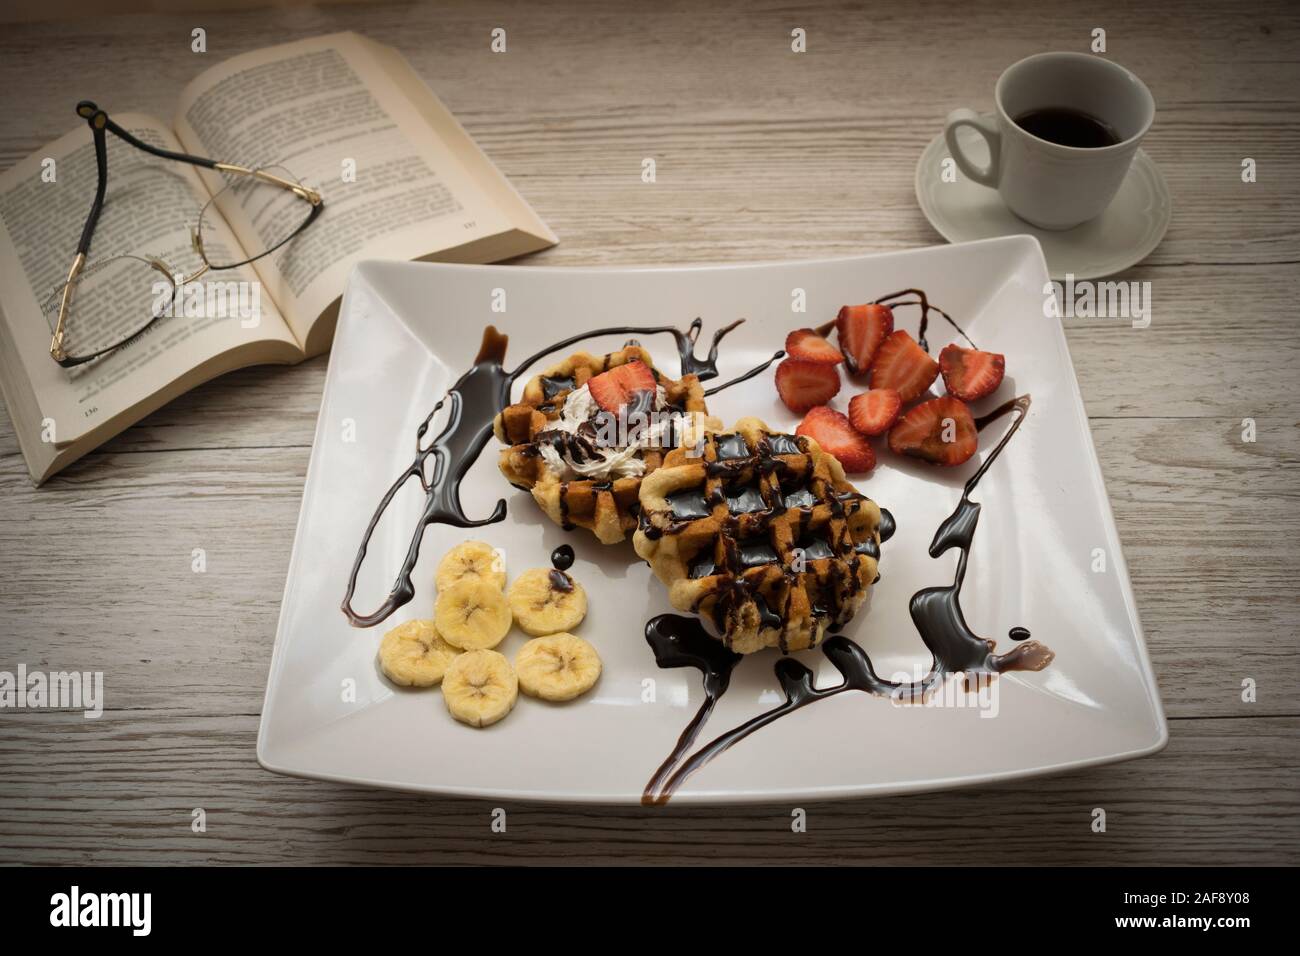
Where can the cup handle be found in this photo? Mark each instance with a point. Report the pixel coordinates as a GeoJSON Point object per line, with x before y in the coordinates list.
{"type": "Point", "coordinates": [987, 175]}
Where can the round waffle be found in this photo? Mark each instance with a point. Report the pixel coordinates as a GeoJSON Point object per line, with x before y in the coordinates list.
{"type": "Point", "coordinates": [762, 535]}
{"type": "Point", "coordinates": [608, 505]}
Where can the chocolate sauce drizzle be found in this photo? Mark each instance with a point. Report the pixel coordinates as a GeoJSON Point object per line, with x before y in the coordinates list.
{"type": "Point", "coordinates": [683, 642]}
{"type": "Point", "coordinates": [454, 450]}
{"type": "Point", "coordinates": [936, 613]}
{"type": "Point", "coordinates": [472, 403]}
{"type": "Point", "coordinates": [926, 308]}
{"type": "Point", "coordinates": [887, 525]}
{"type": "Point", "coordinates": [756, 370]}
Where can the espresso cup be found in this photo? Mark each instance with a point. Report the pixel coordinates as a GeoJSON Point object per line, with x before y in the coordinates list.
{"type": "Point", "coordinates": [1045, 183]}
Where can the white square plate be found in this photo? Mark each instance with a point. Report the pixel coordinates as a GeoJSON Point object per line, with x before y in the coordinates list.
{"type": "Point", "coordinates": [408, 330]}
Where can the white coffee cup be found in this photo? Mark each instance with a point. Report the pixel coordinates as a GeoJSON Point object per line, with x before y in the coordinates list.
{"type": "Point", "coordinates": [1047, 184]}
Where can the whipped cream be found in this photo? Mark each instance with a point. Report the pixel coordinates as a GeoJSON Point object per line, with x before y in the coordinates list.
{"type": "Point", "coordinates": [608, 462]}
{"type": "Point", "coordinates": [579, 407]}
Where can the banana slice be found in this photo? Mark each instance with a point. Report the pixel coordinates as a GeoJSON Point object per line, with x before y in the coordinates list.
{"type": "Point", "coordinates": [547, 602]}
{"type": "Point", "coordinates": [472, 615]}
{"type": "Point", "coordinates": [480, 687]}
{"type": "Point", "coordinates": [415, 655]}
{"type": "Point", "coordinates": [557, 667]}
{"type": "Point", "coordinates": [476, 560]}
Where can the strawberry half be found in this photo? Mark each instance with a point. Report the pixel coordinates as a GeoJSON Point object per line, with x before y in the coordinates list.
{"type": "Point", "coordinates": [873, 412]}
{"type": "Point", "coordinates": [807, 346]}
{"type": "Point", "coordinates": [904, 366]}
{"type": "Point", "coordinates": [803, 385]}
{"type": "Point", "coordinates": [614, 389]}
{"type": "Point", "coordinates": [969, 373]}
{"type": "Point", "coordinates": [836, 436]}
{"type": "Point", "coordinates": [861, 329]}
{"type": "Point", "coordinates": [939, 431]}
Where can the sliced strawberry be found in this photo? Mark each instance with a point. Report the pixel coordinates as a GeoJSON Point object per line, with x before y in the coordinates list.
{"type": "Point", "coordinates": [873, 412]}
{"type": "Point", "coordinates": [613, 389]}
{"type": "Point", "coordinates": [607, 392]}
{"type": "Point", "coordinates": [634, 376]}
{"type": "Point", "coordinates": [802, 385]}
{"type": "Point", "coordinates": [807, 346]}
{"type": "Point", "coordinates": [861, 329]}
{"type": "Point", "coordinates": [939, 431]}
{"type": "Point", "coordinates": [969, 373]}
{"type": "Point", "coordinates": [835, 434]}
{"type": "Point", "coordinates": [904, 366]}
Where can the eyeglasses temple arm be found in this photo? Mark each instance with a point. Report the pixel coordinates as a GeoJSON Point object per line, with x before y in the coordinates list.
{"type": "Point", "coordinates": [100, 119]}
{"type": "Point", "coordinates": [56, 341]}
{"type": "Point", "coordinates": [304, 192]}
{"type": "Point", "coordinates": [101, 167]}
{"type": "Point", "coordinates": [298, 189]}
{"type": "Point", "coordinates": [138, 143]}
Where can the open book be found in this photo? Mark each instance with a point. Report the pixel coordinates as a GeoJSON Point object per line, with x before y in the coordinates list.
{"type": "Point", "coordinates": [348, 116]}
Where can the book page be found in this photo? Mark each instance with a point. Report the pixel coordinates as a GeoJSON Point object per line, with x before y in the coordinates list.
{"type": "Point", "coordinates": [149, 208]}
{"type": "Point", "coordinates": [437, 117]}
{"type": "Point", "coordinates": [326, 109]}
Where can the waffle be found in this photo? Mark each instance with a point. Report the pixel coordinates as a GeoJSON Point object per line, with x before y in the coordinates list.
{"type": "Point", "coordinates": [605, 505]}
{"type": "Point", "coordinates": [763, 536]}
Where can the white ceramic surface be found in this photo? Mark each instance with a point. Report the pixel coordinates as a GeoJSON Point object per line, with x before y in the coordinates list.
{"type": "Point", "coordinates": [407, 330]}
{"type": "Point", "coordinates": [1047, 184]}
{"type": "Point", "coordinates": [1125, 234]}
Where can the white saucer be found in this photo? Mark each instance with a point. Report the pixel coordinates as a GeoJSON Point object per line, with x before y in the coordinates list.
{"type": "Point", "coordinates": [1132, 225]}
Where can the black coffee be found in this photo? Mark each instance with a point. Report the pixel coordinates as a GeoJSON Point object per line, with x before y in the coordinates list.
{"type": "Point", "coordinates": [1067, 127]}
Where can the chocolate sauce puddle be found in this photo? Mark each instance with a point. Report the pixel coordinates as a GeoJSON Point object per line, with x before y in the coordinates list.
{"type": "Point", "coordinates": [561, 560]}
{"type": "Point", "coordinates": [936, 613]}
{"type": "Point", "coordinates": [472, 403]}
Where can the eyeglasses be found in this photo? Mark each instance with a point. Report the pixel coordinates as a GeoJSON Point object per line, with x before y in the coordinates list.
{"type": "Point", "coordinates": [106, 304]}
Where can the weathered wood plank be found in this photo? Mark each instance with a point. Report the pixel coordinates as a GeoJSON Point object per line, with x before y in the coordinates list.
{"type": "Point", "coordinates": [122, 790]}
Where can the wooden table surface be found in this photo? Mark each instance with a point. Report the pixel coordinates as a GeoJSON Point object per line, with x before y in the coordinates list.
{"type": "Point", "coordinates": [762, 154]}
